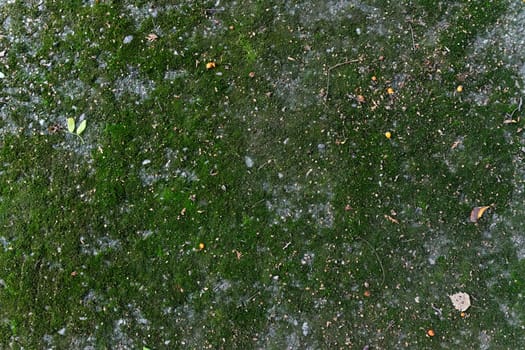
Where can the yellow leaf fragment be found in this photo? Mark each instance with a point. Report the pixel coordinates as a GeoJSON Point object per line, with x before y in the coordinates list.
{"type": "Point", "coordinates": [477, 213]}
{"type": "Point", "coordinates": [81, 127]}
{"type": "Point", "coordinates": [71, 125]}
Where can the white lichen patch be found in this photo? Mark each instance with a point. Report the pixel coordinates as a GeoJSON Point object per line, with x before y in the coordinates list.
{"type": "Point", "coordinates": [98, 245]}
{"type": "Point", "coordinates": [513, 315]}
{"type": "Point", "coordinates": [171, 75]}
{"type": "Point", "coordinates": [288, 203]}
{"type": "Point", "coordinates": [507, 39]}
{"type": "Point", "coordinates": [437, 246]}
{"type": "Point", "coordinates": [133, 84]}
{"type": "Point", "coordinates": [120, 335]}
{"type": "Point", "coordinates": [519, 242]}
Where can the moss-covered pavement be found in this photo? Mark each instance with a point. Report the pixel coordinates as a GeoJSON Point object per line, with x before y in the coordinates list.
{"type": "Point", "coordinates": [261, 174]}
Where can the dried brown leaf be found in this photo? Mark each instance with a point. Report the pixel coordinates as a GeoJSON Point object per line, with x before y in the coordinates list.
{"type": "Point", "coordinates": [152, 37]}
{"type": "Point", "coordinates": [477, 213]}
{"type": "Point", "coordinates": [391, 219]}
{"type": "Point", "coordinates": [455, 144]}
{"type": "Point", "coordinates": [461, 301]}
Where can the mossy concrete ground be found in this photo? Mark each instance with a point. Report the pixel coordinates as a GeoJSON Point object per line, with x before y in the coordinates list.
{"type": "Point", "coordinates": [235, 186]}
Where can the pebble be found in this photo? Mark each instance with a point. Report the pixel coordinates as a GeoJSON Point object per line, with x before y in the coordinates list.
{"type": "Point", "coordinates": [305, 329]}
{"type": "Point", "coordinates": [248, 161]}
{"type": "Point", "coordinates": [128, 39]}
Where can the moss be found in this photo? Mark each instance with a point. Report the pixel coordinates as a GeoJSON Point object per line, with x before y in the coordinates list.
{"type": "Point", "coordinates": [103, 239]}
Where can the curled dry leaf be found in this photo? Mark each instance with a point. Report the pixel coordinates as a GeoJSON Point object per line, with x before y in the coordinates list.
{"type": "Point", "coordinates": [477, 213]}
{"type": "Point", "coordinates": [455, 144]}
{"type": "Point", "coordinates": [461, 301]}
{"type": "Point", "coordinates": [391, 219]}
{"type": "Point", "coordinates": [152, 37]}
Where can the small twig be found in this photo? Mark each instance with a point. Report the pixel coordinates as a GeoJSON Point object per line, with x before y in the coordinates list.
{"type": "Point", "coordinates": [413, 40]}
{"type": "Point", "coordinates": [244, 303]}
{"type": "Point", "coordinates": [377, 257]}
{"type": "Point", "coordinates": [437, 310]}
{"type": "Point", "coordinates": [214, 9]}
{"type": "Point", "coordinates": [343, 64]}
{"type": "Point", "coordinates": [269, 161]}
{"type": "Point", "coordinates": [330, 69]}
{"type": "Point", "coordinates": [257, 203]}
{"type": "Point", "coordinates": [517, 109]}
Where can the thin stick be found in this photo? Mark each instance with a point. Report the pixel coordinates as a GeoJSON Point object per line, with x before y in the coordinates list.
{"type": "Point", "coordinates": [413, 41]}
{"type": "Point", "coordinates": [343, 64]}
{"type": "Point", "coordinates": [378, 258]}
{"type": "Point", "coordinates": [517, 109]}
{"type": "Point", "coordinates": [334, 67]}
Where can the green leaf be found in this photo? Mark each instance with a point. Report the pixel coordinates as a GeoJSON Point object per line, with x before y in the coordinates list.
{"type": "Point", "coordinates": [145, 348]}
{"type": "Point", "coordinates": [71, 124]}
{"type": "Point", "coordinates": [81, 127]}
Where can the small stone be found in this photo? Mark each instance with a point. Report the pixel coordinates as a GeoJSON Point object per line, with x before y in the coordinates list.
{"type": "Point", "coordinates": [305, 328]}
{"type": "Point", "coordinates": [248, 161]}
{"type": "Point", "coordinates": [128, 39]}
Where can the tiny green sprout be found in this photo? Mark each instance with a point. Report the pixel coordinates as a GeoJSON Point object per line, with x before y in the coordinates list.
{"type": "Point", "coordinates": [71, 125]}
